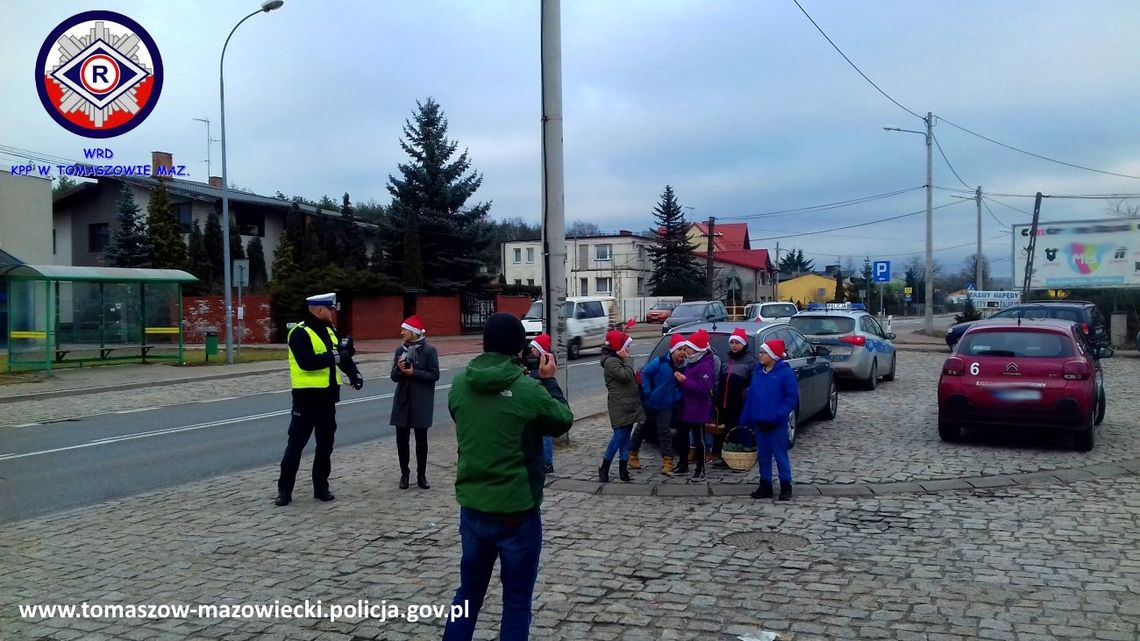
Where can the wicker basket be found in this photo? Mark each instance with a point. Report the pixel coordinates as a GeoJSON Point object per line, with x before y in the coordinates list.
{"type": "Point", "coordinates": [739, 461]}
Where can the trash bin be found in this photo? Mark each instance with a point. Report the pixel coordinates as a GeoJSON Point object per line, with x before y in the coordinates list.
{"type": "Point", "coordinates": [211, 344]}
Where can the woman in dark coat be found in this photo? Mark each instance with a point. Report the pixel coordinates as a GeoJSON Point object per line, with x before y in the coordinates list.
{"type": "Point", "coordinates": [415, 370]}
{"type": "Point", "coordinates": [735, 376]}
{"type": "Point", "coordinates": [623, 403]}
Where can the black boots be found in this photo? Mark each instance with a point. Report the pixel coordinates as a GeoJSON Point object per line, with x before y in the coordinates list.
{"type": "Point", "coordinates": [764, 491]}
{"type": "Point", "coordinates": [604, 471]}
{"type": "Point", "coordinates": [282, 499]}
{"type": "Point", "coordinates": [421, 480]}
{"type": "Point", "coordinates": [403, 480]}
{"type": "Point", "coordinates": [323, 495]}
{"type": "Point", "coordinates": [623, 471]}
{"type": "Point", "coordinates": [785, 491]}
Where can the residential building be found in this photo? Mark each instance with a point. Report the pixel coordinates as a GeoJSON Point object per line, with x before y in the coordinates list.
{"type": "Point", "coordinates": [618, 266]}
{"type": "Point", "coordinates": [808, 288]}
{"type": "Point", "coordinates": [745, 276]}
{"type": "Point", "coordinates": [84, 217]}
{"type": "Point", "coordinates": [25, 218]}
{"type": "Point", "coordinates": [726, 237]}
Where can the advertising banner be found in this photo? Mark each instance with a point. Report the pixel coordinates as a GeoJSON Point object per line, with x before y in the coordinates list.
{"type": "Point", "coordinates": [1080, 253]}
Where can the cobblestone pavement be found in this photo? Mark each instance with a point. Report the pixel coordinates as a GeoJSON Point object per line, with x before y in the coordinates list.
{"type": "Point", "coordinates": [1052, 561]}
{"type": "Point", "coordinates": [890, 435]}
{"type": "Point", "coordinates": [55, 409]}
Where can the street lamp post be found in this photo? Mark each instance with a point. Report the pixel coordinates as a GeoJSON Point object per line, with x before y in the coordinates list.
{"type": "Point", "coordinates": [928, 308]}
{"type": "Point", "coordinates": [227, 276]}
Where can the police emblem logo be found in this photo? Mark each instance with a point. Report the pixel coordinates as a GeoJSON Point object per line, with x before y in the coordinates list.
{"type": "Point", "coordinates": [99, 74]}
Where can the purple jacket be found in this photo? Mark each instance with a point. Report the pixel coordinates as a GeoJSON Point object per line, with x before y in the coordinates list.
{"type": "Point", "coordinates": [696, 391]}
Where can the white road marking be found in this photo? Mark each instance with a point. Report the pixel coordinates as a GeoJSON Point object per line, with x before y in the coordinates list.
{"type": "Point", "coordinates": [26, 425]}
{"type": "Point", "coordinates": [141, 409]}
{"type": "Point", "coordinates": [186, 428]}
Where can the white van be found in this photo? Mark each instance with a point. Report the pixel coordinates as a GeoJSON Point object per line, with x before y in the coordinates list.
{"type": "Point", "coordinates": [587, 321]}
{"type": "Point", "coordinates": [778, 311]}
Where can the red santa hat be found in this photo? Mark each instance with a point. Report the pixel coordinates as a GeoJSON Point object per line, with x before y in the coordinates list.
{"type": "Point", "coordinates": [676, 342]}
{"type": "Point", "coordinates": [541, 343]}
{"type": "Point", "coordinates": [774, 348]}
{"type": "Point", "coordinates": [618, 340]}
{"type": "Point", "coordinates": [414, 325]}
{"type": "Point", "coordinates": [699, 340]}
{"type": "Point", "coordinates": [740, 336]}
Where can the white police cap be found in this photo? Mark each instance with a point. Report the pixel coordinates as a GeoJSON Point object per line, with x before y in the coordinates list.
{"type": "Point", "coordinates": [322, 300]}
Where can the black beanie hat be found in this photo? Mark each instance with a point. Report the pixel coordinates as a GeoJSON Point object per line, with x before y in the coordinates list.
{"type": "Point", "coordinates": [504, 334]}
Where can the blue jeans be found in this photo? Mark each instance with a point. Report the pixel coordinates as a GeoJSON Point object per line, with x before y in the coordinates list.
{"type": "Point", "coordinates": [619, 443]}
{"type": "Point", "coordinates": [771, 445]}
{"type": "Point", "coordinates": [548, 450]}
{"type": "Point", "coordinates": [516, 541]}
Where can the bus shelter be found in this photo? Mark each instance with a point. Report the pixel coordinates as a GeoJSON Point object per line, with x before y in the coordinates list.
{"type": "Point", "coordinates": [63, 314]}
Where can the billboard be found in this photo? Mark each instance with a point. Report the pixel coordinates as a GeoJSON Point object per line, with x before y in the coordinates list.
{"type": "Point", "coordinates": [1080, 253]}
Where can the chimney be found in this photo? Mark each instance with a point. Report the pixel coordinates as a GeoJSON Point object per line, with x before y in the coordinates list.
{"type": "Point", "coordinates": [625, 232]}
{"type": "Point", "coordinates": [216, 182]}
{"type": "Point", "coordinates": [162, 159]}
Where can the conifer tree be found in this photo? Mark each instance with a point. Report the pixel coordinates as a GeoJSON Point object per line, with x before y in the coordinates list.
{"type": "Point", "coordinates": [169, 251]}
{"type": "Point", "coordinates": [675, 269]}
{"type": "Point", "coordinates": [130, 246]}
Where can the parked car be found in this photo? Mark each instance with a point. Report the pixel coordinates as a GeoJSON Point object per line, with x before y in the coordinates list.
{"type": "Point", "coordinates": [1083, 313]}
{"type": "Point", "coordinates": [587, 321]}
{"type": "Point", "coordinates": [659, 312]}
{"type": "Point", "coordinates": [860, 348]}
{"type": "Point", "coordinates": [701, 311]}
{"type": "Point", "coordinates": [819, 396]}
{"type": "Point", "coordinates": [775, 311]}
{"type": "Point", "coordinates": [1013, 372]}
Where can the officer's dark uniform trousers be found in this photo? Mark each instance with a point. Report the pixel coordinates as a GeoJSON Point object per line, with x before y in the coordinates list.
{"type": "Point", "coordinates": [314, 409]}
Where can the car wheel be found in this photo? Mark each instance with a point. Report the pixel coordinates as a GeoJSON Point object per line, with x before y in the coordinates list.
{"type": "Point", "coordinates": [873, 380]}
{"type": "Point", "coordinates": [1083, 440]}
{"type": "Point", "coordinates": [573, 348]}
{"type": "Point", "coordinates": [832, 408]}
{"type": "Point", "coordinates": [948, 431]}
{"type": "Point", "coordinates": [1100, 407]}
{"type": "Point", "coordinates": [894, 363]}
{"type": "Point", "coordinates": [793, 424]}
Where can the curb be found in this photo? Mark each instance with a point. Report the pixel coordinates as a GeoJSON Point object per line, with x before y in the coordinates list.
{"type": "Point", "coordinates": [932, 486]}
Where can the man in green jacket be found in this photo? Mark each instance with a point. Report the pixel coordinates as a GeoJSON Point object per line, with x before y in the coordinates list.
{"type": "Point", "coordinates": [500, 418]}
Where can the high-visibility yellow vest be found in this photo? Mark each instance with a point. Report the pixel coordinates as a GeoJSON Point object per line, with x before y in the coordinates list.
{"type": "Point", "coordinates": [311, 379]}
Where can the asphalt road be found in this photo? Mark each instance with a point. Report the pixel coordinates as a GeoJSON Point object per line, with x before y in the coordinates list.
{"type": "Point", "coordinates": [45, 468]}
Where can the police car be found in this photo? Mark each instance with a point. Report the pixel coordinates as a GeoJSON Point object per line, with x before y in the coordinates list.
{"type": "Point", "coordinates": [859, 347]}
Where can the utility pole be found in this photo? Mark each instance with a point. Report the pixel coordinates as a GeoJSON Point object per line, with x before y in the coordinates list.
{"type": "Point", "coordinates": [928, 309]}
{"type": "Point", "coordinates": [553, 189]}
{"type": "Point", "coordinates": [1032, 249]}
{"type": "Point", "coordinates": [978, 284]}
{"type": "Point", "coordinates": [709, 259]}
{"type": "Point", "coordinates": [776, 286]}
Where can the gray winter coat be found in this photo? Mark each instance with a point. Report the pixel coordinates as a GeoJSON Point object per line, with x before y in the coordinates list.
{"type": "Point", "coordinates": [624, 395]}
{"type": "Point", "coordinates": [414, 403]}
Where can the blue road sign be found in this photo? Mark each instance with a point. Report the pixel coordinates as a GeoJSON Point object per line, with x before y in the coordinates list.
{"type": "Point", "coordinates": [881, 271]}
{"type": "Point", "coordinates": [971, 288]}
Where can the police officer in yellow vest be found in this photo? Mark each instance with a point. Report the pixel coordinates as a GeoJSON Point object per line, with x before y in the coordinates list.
{"type": "Point", "coordinates": [315, 354]}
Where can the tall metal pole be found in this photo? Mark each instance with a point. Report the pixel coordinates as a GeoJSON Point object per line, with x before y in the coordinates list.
{"type": "Point", "coordinates": [929, 307]}
{"type": "Point", "coordinates": [709, 269]}
{"type": "Point", "coordinates": [776, 285]}
{"type": "Point", "coordinates": [553, 191]}
{"type": "Point", "coordinates": [978, 255]}
{"type": "Point", "coordinates": [227, 268]}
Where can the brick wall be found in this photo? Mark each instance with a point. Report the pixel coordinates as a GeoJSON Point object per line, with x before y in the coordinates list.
{"type": "Point", "coordinates": [378, 317]}
{"type": "Point", "coordinates": [517, 305]}
{"type": "Point", "coordinates": [440, 314]}
{"type": "Point", "coordinates": [207, 313]}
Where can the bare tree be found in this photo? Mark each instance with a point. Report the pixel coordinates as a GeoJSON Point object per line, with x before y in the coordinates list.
{"type": "Point", "coordinates": [1123, 209]}
{"type": "Point", "coordinates": [582, 229]}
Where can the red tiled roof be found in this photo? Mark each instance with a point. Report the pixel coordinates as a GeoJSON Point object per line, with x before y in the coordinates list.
{"type": "Point", "coordinates": [727, 236]}
{"type": "Point", "coordinates": [751, 258]}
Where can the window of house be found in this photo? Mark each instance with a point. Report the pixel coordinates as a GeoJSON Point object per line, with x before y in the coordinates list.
{"type": "Point", "coordinates": [530, 281]}
{"type": "Point", "coordinates": [250, 223]}
{"type": "Point", "coordinates": [584, 286]}
{"type": "Point", "coordinates": [603, 252]}
{"type": "Point", "coordinates": [518, 281]}
{"type": "Point", "coordinates": [530, 255]}
{"type": "Point", "coordinates": [518, 256]}
{"type": "Point", "coordinates": [98, 237]}
{"type": "Point", "coordinates": [53, 242]}
{"type": "Point", "coordinates": [185, 214]}
{"type": "Point", "coordinates": [640, 286]}
{"type": "Point", "coordinates": [604, 285]}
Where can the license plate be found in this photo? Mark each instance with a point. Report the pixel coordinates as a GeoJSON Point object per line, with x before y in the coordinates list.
{"type": "Point", "coordinates": [1018, 395]}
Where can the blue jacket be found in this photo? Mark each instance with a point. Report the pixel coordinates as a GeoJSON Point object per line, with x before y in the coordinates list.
{"type": "Point", "coordinates": [659, 389]}
{"type": "Point", "coordinates": [771, 397]}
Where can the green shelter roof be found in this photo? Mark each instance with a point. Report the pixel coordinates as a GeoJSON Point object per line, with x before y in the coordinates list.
{"type": "Point", "coordinates": [97, 274]}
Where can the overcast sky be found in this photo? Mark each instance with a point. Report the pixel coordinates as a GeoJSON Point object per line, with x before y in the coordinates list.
{"type": "Point", "coordinates": [742, 106]}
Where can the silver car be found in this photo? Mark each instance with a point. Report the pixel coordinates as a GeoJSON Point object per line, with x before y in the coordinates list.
{"type": "Point", "coordinates": [859, 347]}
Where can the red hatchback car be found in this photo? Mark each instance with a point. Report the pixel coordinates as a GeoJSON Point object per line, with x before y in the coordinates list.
{"type": "Point", "coordinates": [1032, 372]}
{"type": "Point", "coordinates": [659, 312]}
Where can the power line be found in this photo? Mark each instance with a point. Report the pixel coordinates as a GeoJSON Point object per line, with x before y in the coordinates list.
{"type": "Point", "coordinates": [1039, 156]}
{"type": "Point", "coordinates": [940, 249]}
{"type": "Point", "coordinates": [996, 201]}
{"type": "Point", "coordinates": [853, 65]}
{"type": "Point", "coordinates": [1127, 196]}
{"type": "Point", "coordinates": [825, 206]}
{"type": "Point", "coordinates": [996, 219]}
{"type": "Point", "coordinates": [871, 222]}
{"type": "Point", "coordinates": [939, 145]}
